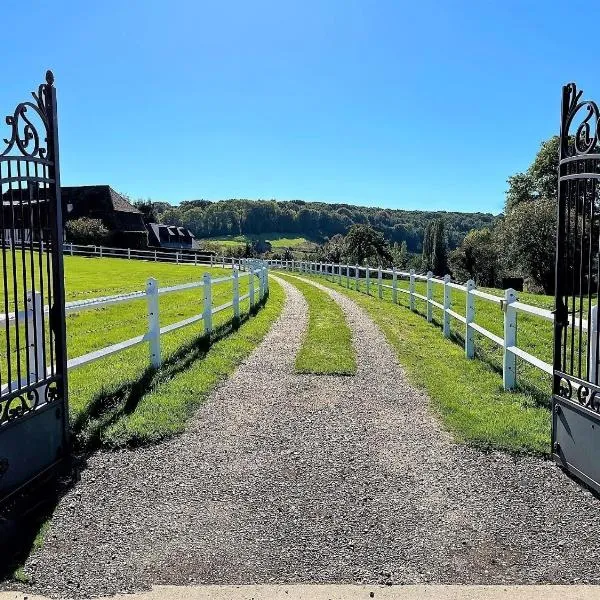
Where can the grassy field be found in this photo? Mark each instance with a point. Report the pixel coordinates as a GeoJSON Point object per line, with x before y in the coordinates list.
{"type": "Point", "coordinates": [118, 400]}
{"type": "Point", "coordinates": [327, 347]}
{"type": "Point", "coordinates": [534, 335]}
{"type": "Point", "coordinates": [467, 394]}
{"type": "Point", "coordinates": [278, 241]}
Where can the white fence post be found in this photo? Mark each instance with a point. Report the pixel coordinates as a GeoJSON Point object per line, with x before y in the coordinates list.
{"type": "Point", "coordinates": [394, 286]}
{"type": "Point", "coordinates": [153, 321]}
{"type": "Point", "coordinates": [236, 294]}
{"type": "Point", "coordinates": [129, 253]}
{"type": "Point", "coordinates": [509, 360]}
{"type": "Point", "coordinates": [100, 251]}
{"type": "Point", "coordinates": [176, 257]}
{"type": "Point", "coordinates": [469, 317]}
{"type": "Point", "coordinates": [35, 339]}
{"type": "Point", "coordinates": [223, 261]}
{"type": "Point", "coordinates": [207, 313]}
{"type": "Point", "coordinates": [447, 303]}
{"type": "Point", "coordinates": [348, 276]}
{"type": "Point", "coordinates": [429, 296]}
{"type": "Point", "coordinates": [379, 283]}
{"type": "Point", "coordinates": [356, 283]}
{"type": "Point", "coordinates": [155, 258]}
{"type": "Point", "coordinates": [368, 282]}
{"type": "Point", "coordinates": [251, 286]}
{"type": "Point", "coordinates": [293, 268]}
{"type": "Point", "coordinates": [411, 290]}
{"type": "Point", "coordinates": [195, 259]}
{"type": "Point", "coordinates": [71, 248]}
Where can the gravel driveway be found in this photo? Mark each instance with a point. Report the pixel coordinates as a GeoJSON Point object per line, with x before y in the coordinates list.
{"type": "Point", "coordinates": [296, 478]}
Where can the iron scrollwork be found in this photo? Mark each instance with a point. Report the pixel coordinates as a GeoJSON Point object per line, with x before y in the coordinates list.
{"type": "Point", "coordinates": [30, 142]}
{"type": "Point", "coordinates": [586, 138]}
{"type": "Point", "coordinates": [20, 405]}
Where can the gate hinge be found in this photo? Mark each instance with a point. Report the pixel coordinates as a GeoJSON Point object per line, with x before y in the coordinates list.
{"type": "Point", "coordinates": [561, 315]}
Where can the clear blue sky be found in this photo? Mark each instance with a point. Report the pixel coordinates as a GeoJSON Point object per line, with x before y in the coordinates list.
{"type": "Point", "coordinates": [420, 105]}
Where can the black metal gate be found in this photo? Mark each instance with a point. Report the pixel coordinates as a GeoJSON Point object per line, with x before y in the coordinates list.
{"type": "Point", "coordinates": [33, 360]}
{"type": "Point", "coordinates": [576, 393]}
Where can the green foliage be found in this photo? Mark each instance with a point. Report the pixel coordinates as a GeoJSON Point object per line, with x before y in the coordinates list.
{"type": "Point", "coordinates": [434, 255]}
{"type": "Point", "coordinates": [467, 394]}
{"type": "Point", "coordinates": [312, 220]}
{"type": "Point", "coordinates": [541, 179]}
{"type": "Point", "coordinates": [87, 231]}
{"type": "Point", "coordinates": [400, 256]}
{"type": "Point", "coordinates": [327, 347]}
{"type": "Point", "coordinates": [363, 243]}
{"type": "Point", "coordinates": [476, 258]}
{"type": "Point", "coordinates": [529, 233]}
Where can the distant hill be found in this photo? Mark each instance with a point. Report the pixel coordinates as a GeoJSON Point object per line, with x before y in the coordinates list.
{"type": "Point", "coordinates": [312, 220]}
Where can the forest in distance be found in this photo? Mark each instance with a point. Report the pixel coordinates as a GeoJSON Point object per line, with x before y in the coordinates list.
{"type": "Point", "coordinates": [316, 221]}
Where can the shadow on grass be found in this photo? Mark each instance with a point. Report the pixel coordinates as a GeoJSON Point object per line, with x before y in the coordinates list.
{"type": "Point", "coordinates": [540, 397]}
{"type": "Point", "coordinates": [22, 526]}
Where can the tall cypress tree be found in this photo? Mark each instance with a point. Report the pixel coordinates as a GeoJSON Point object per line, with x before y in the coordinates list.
{"type": "Point", "coordinates": [427, 256]}
{"type": "Point", "coordinates": [439, 254]}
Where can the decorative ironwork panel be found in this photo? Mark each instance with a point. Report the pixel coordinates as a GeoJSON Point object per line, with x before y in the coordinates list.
{"type": "Point", "coordinates": [32, 316]}
{"type": "Point", "coordinates": [576, 336]}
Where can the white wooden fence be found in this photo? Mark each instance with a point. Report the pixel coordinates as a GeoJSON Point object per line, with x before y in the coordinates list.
{"type": "Point", "coordinates": [352, 275]}
{"type": "Point", "coordinates": [256, 271]}
{"type": "Point", "coordinates": [185, 256]}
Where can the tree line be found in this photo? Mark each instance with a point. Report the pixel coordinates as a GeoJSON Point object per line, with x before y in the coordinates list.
{"type": "Point", "coordinates": [314, 220]}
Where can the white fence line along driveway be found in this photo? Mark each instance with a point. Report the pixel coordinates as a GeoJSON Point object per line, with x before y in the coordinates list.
{"type": "Point", "coordinates": [350, 275]}
{"type": "Point", "coordinates": [253, 269]}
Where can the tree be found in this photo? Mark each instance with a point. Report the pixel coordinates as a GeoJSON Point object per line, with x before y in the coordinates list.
{"type": "Point", "coordinates": [364, 243]}
{"type": "Point", "coordinates": [87, 231]}
{"type": "Point", "coordinates": [427, 254]}
{"type": "Point", "coordinates": [528, 240]}
{"type": "Point", "coordinates": [476, 258]}
{"type": "Point", "coordinates": [146, 207]}
{"type": "Point", "coordinates": [439, 256]}
{"type": "Point", "coordinates": [400, 255]}
{"type": "Point", "coordinates": [541, 178]}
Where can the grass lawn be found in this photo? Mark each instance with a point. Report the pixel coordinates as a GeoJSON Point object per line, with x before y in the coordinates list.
{"type": "Point", "coordinates": [534, 335]}
{"type": "Point", "coordinates": [467, 394]}
{"type": "Point", "coordinates": [327, 347]}
{"type": "Point", "coordinates": [108, 399]}
{"type": "Point", "coordinates": [277, 240]}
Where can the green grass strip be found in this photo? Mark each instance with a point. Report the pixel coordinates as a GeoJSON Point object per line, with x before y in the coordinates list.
{"type": "Point", "coordinates": [327, 347]}
{"type": "Point", "coordinates": [467, 394]}
{"type": "Point", "coordinates": [157, 403]}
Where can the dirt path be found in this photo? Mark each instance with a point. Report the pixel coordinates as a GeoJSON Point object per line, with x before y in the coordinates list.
{"type": "Point", "coordinates": [300, 479]}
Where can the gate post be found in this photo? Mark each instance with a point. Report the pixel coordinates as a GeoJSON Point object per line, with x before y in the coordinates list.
{"type": "Point", "coordinates": [356, 284]}
{"type": "Point", "coordinates": [348, 276]}
{"type": "Point", "coordinates": [469, 318]}
{"type": "Point", "coordinates": [411, 289]}
{"type": "Point", "coordinates": [447, 303]}
{"type": "Point", "coordinates": [236, 295]}
{"type": "Point", "coordinates": [368, 282]}
{"type": "Point", "coordinates": [429, 296]}
{"type": "Point", "coordinates": [153, 321]}
{"type": "Point", "coordinates": [394, 286]}
{"type": "Point", "coordinates": [379, 283]}
{"type": "Point", "coordinates": [509, 360]}
{"type": "Point", "coordinates": [207, 313]}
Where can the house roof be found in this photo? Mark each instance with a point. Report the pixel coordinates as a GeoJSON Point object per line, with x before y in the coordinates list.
{"type": "Point", "coordinates": [170, 233]}
{"type": "Point", "coordinates": [100, 198]}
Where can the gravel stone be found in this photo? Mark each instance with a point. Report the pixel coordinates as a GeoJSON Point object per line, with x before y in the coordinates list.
{"type": "Point", "coordinates": [285, 478]}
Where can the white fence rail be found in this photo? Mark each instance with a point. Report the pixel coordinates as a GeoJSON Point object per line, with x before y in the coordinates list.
{"type": "Point", "coordinates": [352, 275]}
{"type": "Point", "coordinates": [188, 256]}
{"type": "Point", "coordinates": [256, 271]}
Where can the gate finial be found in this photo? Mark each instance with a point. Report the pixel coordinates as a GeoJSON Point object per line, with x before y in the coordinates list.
{"type": "Point", "coordinates": [49, 77]}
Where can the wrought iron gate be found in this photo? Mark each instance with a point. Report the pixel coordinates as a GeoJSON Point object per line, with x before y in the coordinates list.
{"type": "Point", "coordinates": [33, 373]}
{"type": "Point", "coordinates": [576, 389]}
